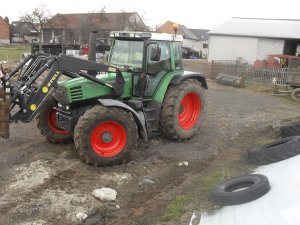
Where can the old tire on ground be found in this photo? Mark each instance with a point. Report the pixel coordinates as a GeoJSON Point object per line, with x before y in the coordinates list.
{"type": "Point", "coordinates": [295, 95]}
{"type": "Point", "coordinates": [105, 136]}
{"type": "Point", "coordinates": [274, 152]}
{"type": "Point", "coordinates": [241, 189]}
{"type": "Point", "coordinates": [46, 123]}
{"type": "Point", "coordinates": [289, 130]}
{"type": "Point", "coordinates": [182, 110]}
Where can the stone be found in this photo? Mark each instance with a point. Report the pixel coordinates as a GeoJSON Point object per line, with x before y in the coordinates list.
{"type": "Point", "coordinates": [81, 216]}
{"type": "Point", "coordinates": [147, 182]}
{"type": "Point", "coordinates": [105, 194]}
{"type": "Point", "coordinates": [185, 163]}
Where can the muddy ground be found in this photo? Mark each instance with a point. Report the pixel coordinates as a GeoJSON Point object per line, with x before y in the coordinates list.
{"type": "Point", "coordinates": [48, 184]}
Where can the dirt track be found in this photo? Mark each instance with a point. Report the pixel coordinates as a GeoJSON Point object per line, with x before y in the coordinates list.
{"type": "Point", "coordinates": [42, 181]}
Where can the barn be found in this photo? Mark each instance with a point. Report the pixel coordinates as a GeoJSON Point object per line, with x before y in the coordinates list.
{"type": "Point", "coordinates": [253, 39]}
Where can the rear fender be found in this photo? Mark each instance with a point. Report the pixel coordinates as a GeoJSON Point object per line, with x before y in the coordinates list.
{"type": "Point", "coordinates": [189, 75]}
{"type": "Point", "coordinates": [173, 79]}
{"type": "Point", "coordinates": [138, 116]}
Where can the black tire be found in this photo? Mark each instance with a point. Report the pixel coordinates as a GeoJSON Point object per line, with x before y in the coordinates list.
{"type": "Point", "coordinates": [241, 189]}
{"type": "Point", "coordinates": [290, 130]}
{"type": "Point", "coordinates": [274, 152]}
{"type": "Point", "coordinates": [100, 121]}
{"type": "Point", "coordinates": [170, 124]}
{"type": "Point", "coordinates": [46, 125]}
{"type": "Point", "coordinates": [295, 95]}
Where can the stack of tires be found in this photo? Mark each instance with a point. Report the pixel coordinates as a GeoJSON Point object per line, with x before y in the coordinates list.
{"type": "Point", "coordinates": [246, 188]}
{"type": "Point", "coordinates": [284, 148]}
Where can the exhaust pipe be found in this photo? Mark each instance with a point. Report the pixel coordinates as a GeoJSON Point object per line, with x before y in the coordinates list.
{"type": "Point", "coordinates": [92, 46]}
{"type": "Point", "coordinates": [92, 50]}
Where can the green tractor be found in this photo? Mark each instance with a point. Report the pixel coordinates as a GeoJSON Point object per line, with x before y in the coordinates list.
{"type": "Point", "coordinates": [105, 109]}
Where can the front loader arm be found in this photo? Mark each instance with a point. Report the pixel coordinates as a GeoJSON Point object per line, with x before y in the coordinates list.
{"type": "Point", "coordinates": [32, 96]}
{"type": "Point", "coordinates": [32, 88]}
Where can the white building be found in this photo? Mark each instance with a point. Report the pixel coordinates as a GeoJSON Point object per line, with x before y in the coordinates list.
{"type": "Point", "coordinates": [253, 39]}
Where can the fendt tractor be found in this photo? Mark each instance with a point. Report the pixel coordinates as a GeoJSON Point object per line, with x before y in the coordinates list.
{"type": "Point", "coordinates": [105, 109]}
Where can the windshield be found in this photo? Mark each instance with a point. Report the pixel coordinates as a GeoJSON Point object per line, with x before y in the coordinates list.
{"type": "Point", "coordinates": [127, 53]}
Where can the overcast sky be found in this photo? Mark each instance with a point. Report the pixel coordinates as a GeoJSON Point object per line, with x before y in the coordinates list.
{"type": "Point", "coordinates": [192, 13]}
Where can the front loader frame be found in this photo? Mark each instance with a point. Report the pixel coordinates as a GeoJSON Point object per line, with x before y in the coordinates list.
{"type": "Point", "coordinates": [31, 89]}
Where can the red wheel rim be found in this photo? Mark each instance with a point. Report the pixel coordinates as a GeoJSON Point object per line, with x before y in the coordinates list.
{"type": "Point", "coordinates": [189, 111]}
{"type": "Point", "coordinates": [52, 123]}
{"type": "Point", "coordinates": [108, 139]}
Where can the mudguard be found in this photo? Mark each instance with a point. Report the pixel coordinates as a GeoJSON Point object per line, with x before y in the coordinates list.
{"type": "Point", "coordinates": [138, 116]}
{"type": "Point", "coordinates": [177, 79]}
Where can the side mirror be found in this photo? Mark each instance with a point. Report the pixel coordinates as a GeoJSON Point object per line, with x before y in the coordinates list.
{"type": "Point", "coordinates": [155, 52]}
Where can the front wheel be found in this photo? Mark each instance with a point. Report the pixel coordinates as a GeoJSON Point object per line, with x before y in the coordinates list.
{"type": "Point", "coordinates": [105, 136]}
{"type": "Point", "coordinates": [46, 123]}
{"type": "Point", "coordinates": [182, 110]}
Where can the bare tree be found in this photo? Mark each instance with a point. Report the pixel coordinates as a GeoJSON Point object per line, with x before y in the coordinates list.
{"type": "Point", "coordinates": [123, 20]}
{"type": "Point", "coordinates": [37, 19]}
{"type": "Point", "coordinates": [136, 23]}
{"type": "Point", "coordinates": [102, 19]}
{"type": "Point", "coordinates": [86, 26]}
{"type": "Point", "coordinates": [132, 22]}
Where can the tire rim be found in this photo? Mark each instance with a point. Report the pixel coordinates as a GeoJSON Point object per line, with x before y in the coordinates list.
{"type": "Point", "coordinates": [189, 111]}
{"type": "Point", "coordinates": [108, 139]}
{"type": "Point", "coordinates": [52, 123]}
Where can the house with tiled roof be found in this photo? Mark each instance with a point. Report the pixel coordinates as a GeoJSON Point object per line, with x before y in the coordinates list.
{"type": "Point", "coordinates": [4, 31]}
{"type": "Point", "coordinates": [71, 28]}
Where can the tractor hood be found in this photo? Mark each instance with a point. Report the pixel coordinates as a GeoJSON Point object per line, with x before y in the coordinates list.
{"type": "Point", "coordinates": [83, 89]}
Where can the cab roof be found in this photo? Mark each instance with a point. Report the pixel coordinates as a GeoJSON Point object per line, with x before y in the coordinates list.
{"type": "Point", "coordinates": [146, 35]}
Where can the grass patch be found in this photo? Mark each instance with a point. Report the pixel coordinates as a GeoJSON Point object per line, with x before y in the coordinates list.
{"type": "Point", "coordinates": [213, 179]}
{"type": "Point", "coordinates": [12, 53]}
{"type": "Point", "coordinates": [203, 200]}
{"type": "Point", "coordinates": [199, 200]}
{"type": "Point", "coordinates": [175, 209]}
{"type": "Point", "coordinates": [266, 139]}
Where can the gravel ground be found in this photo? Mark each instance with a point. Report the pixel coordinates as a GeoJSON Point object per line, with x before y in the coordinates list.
{"type": "Point", "coordinates": [42, 183]}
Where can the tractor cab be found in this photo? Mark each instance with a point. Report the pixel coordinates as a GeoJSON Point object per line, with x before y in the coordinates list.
{"type": "Point", "coordinates": [147, 56]}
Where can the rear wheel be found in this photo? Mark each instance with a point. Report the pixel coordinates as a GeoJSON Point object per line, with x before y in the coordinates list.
{"type": "Point", "coordinates": [46, 123]}
{"type": "Point", "coordinates": [295, 95]}
{"type": "Point", "coordinates": [182, 110]}
{"type": "Point", "coordinates": [105, 136]}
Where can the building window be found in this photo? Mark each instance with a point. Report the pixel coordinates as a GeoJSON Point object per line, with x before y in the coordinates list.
{"type": "Point", "coordinates": [205, 45]}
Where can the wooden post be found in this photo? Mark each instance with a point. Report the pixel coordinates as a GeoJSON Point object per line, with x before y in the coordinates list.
{"type": "Point", "coordinates": [212, 70]}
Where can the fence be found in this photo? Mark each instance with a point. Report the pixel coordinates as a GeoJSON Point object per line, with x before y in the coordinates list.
{"type": "Point", "coordinates": [266, 77]}
{"type": "Point", "coordinates": [252, 75]}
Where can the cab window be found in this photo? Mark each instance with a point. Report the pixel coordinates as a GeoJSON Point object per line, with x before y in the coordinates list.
{"type": "Point", "coordinates": [177, 56]}
{"type": "Point", "coordinates": [165, 58]}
